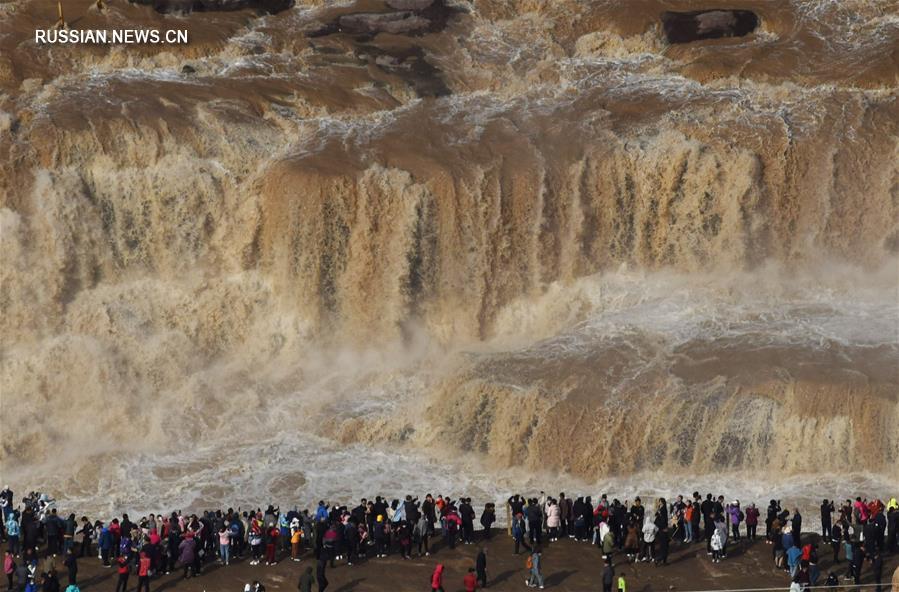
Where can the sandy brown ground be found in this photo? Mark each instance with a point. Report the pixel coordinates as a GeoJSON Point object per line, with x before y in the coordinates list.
{"type": "Point", "coordinates": [568, 566]}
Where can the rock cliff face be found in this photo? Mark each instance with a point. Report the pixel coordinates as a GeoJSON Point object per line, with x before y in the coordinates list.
{"type": "Point", "coordinates": [535, 232]}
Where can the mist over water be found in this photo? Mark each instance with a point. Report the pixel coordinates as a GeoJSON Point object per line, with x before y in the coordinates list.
{"type": "Point", "coordinates": [533, 245]}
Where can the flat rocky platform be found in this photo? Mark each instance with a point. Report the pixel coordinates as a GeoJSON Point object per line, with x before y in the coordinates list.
{"type": "Point", "coordinates": [568, 566]}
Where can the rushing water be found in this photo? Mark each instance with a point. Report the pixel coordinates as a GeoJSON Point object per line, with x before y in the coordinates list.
{"type": "Point", "coordinates": [532, 244]}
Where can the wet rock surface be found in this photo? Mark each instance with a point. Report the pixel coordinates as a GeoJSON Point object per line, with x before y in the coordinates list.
{"type": "Point", "coordinates": [397, 23]}
{"type": "Point", "coordinates": [390, 40]}
{"type": "Point", "coordinates": [185, 6]}
{"type": "Point", "coordinates": [399, 17]}
{"type": "Point", "coordinates": [686, 27]}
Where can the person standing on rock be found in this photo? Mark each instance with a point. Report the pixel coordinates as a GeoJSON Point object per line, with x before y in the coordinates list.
{"type": "Point", "coordinates": [437, 579]}
{"type": "Point", "coordinates": [752, 521]}
{"type": "Point", "coordinates": [12, 533]}
{"type": "Point", "coordinates": [772, 512]}
{"type": "Point", "coordinates": [877, 570]}
{"type": "Point", "coordinates": [535, 522]}
{"type": "Point", "coordinates": [466, 514]}
{"type": "Point", "coordinates": [271, 547]}
{"type": "Point", "coordinates": [708, 521]}
{"type": "Point", "coordinates": [9, 569]}
{"type": "Point", "coordinates": [564, 515]}
{"type": "Point", "coordinates": [143, 573]}
{"type": "Point", "coordinates": [892, 525]}
{"type": "Point", "coordinates": [588, 517]}
{"type": "Point", "coordinates": [87, 533]}
{"type": "Point", "coordinates": [827, 510]}
{"type": "Point", "coordinates": [187, 552]}
{"type": "Point", "coordinates": [716, 546]}
{"type": "Point", "coordinates": [553, 519]}
{"type": "Point", "coordinates": [649, 538]}
{"type": "Point", "coordinates": [689, 510]}
{"type": "Point", "coordinates": [421, 534]}
{"type": "Point", "coordinates": [452, 524]}
{"type": "Point", "coordinates": [735, 517]}
{"type": "Point", "coordinates": [306, 581]}
{"type": "Point", "coordinates": [721, 529]}
{"type": "Point", "coordinates": [535, 580]}
{"type": "Point", "coordinates": [488, 517]}
{"type": "Point", "coordinates": [320, 573]}
{"type": "Point", "coordinates": [481, 567]}
{"type": "Point", "coordinates": [794, 555]}
{"type": "Point", "coordinates": [797, 527]}
{"type": "Point", "coordinates": [71, 565]}
{"type": "Point", "coordinates": [608, 576]}
{"type": "Point", "coordinates": [858, 560]}
{"type": "Point", "coordinates": [124, 571]}
{"type": "Point", "coordinates": [518, 533]}
{"type": "Point", "coordinates": [470, 581]}
{"type": "Point", "coordinates": [662, 540]}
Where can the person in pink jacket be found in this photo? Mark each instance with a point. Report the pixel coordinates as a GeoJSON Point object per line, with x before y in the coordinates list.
{"type": "Point", "coordinates": [9, 568]}
{"type": "Point", "coordinates": [553, 519]}
{"type": "Point", "coordinates": [861, 511]}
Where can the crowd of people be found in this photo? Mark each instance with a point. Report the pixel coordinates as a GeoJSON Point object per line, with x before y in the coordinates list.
{"type": "Point", "coordinates": [859, 532]}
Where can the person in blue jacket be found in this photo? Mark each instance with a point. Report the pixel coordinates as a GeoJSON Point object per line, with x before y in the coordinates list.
{"type": "Point", "coordinates": [105, 543]}
{"type": "Point", "coordinates": [321, 513]}
{"type": "Point", "coordinates": [12, 533]}
{"type": "Point", "coordinates": [794, 554]}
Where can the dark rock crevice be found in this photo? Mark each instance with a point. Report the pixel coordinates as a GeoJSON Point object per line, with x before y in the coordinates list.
{"type": "Point", "coordinates": [686, 27]}
{"type": "Point", "coordinates": [186, 6]}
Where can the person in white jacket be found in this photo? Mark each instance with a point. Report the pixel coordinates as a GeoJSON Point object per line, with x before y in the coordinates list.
{"type": "Point", "coordinates": [721, 529]}
{"type": "Point", "coordinates": [649, 538]}
{"type": "Point", "coordinates": [717, 545]}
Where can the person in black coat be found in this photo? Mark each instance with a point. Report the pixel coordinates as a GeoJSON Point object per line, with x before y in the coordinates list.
{"type": "Point", "coordinates": [827, 510]}
{"type": "Point", "coordinates": [306, 581]}
{"type": "Point", "coordinates": [481, 568]}
{"type": "Point", "coordinates": [71, 563]}
{"type": "Point", "coordinates": [858, 559]}
{"type": "Point", "coordinates": [836, 538]}
{"type": "Point", "coordinates": [577, 518]}
{"type": "Point", "coordinates": [877, 570]}
{"type": "Point", "coordinates": [871, 537]}
{"type": "Point", "coordinates": [697, 515]}
{"type": "Point", "coordinates": [880, 524]}
{"type": "Point", "coordinates": [608, 576]}
{"type": "Point", "coordinates": [773, 510]}
{"type": "Point", "coordinates": [797, 528]}
{"type": "Point", "coordinates": [707, 510]}
{"type": "Point", "coordinates": [535, 521]}
{"type": "Point", "coordinates": [50, 582]}
{"type": "Point", "coordinates": [54, 528]}
{"type": "Point", "coordinates": [588, 516]}
{"type": "Point", "coordinates": [892, 528]}
{"type": "Point", "coordinates": [488, 517]}
{"type": "Point", "coordinates": [662, 538]}
{"type": "Point", "coordinates": [620, 514]}
{"type": "Point", "coordinates": [466, 513]}
{"type": "Point", "coordinates": [320, 574]}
